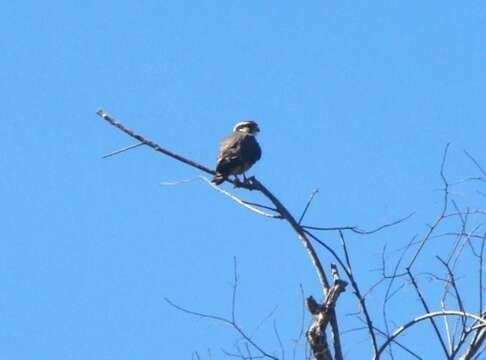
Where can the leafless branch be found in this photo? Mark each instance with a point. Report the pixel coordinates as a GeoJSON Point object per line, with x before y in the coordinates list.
{"type": "Point", "coordinates": [474, 347]}
{"type": "Point", "coordinates": [356, 229]}
{"type": "Point", "coordinates": [243, 203]}
{"type": "Point", "coordinates": [475, 162]}
{"type": "Point", "coordinates": [452, 282]}
{"type": "Point", "coordinates": [223, 320]}
{"type": "Point", "coordinates": [322, 315]}
{"type": "Point", "coordinates": [152, 144]}
{"type": "Point", "coordinates": [311, 197]}
{"type": "Point", "coordinates": [426, 307]}
{"type": "Point", "coordinates": [401, 346]}
{"type": "Point", "coordinates": [391, 281]}
{"type": "Point", "coordinates": [301, 331]}
{"type": "Point", "coordinates": [421, 318]}
{"type": "Point", "coordinates": [357, 293]}
{"type": "Point", "coordinates": [480, 270]}
{"type": "Point", "coordinates": [119, 152]}
{"type": "Point", "coordinates": [442, 213]}
{"type": "Point", "coordinates": [353, 281]}
{"type": "Point", "coordinates": [280, 343]}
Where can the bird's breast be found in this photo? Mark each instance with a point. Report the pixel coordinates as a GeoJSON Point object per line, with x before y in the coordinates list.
{"type": "Point", "coordinates": [242, 168]}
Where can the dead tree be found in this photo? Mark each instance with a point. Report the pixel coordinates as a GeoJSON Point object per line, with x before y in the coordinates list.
{"type": "Point", "coordinates": [462, 338]}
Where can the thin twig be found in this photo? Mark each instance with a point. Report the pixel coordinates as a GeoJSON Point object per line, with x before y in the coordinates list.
{"type": "Point", "coordinates": [264, 320]}
{"type": "Point", "coordinates": [260, 205]}
{"type": "Point", "coordinates": [452, 281]}
{"type": "Point", "coordinates": [302, 319]}
{"type": "Point", "coordinates": [475, 162]}
{"type": "Point", "coordinates": [474, 348]}
{"type": "Point", "coordinates": [225, 321]}
{"type": "Point", "coordinates": [277, 335]}
{"type": "Point", "coordinates": [357, 293]}
{"type": "Point", "coordinates": [426, 307]}
{"type": "Point", "coordinates": [239, 201]}
{"type": "Point", "coordinates": [311, 197]}
{"type": "Point", "coordinates": [356, 229]}
{"type": "Point", "coordinates": [235, 287]}
{"type": "Point", "coordinates": [480, 270]}
{"type": "Point", "coordinates": [389, 293]}
{"type": "Point", "coordinates": [122, 150]}
{"type": "Point", "coordinates": [442, 213]}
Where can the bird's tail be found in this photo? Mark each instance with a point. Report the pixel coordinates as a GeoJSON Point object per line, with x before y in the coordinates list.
{"type": "Point", "coordinates": [218, 179]}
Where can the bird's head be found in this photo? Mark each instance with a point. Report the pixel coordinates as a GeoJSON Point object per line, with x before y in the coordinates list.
{"type": "Point", "coordinates": [247, 127]}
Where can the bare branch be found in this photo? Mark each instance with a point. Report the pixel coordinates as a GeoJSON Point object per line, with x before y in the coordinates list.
{"type": "Point", "coordinates": [357, 293]}
{"type": "Point", "coordinates": [476, 343]}
{"type": "Point", "coordinates": [480, 270]}
{"type": "Point", "coordinates": [243, 203]}
{"type": "Point", "coordinates": [235, 287]}
{"type": "Point", "coordinates": [225, 321]}
{"type": "Point", "coordinates": [198, 314]}
{"type": "Point", "coordinates": [322, 315]}
{"type": "Point", "coordinates": [259, 205]}
{"type": "Point", "coordinates": [119, 152]}
{"type": "Point", "coordinates": [419, 319]}
{"type": "Point", "coordinates": [311, 197]}
{"type": "Point", "coordinates": [336, 337]}
{"type": "Point", "coordinates": [452, 282]}
{"type": "Point", "coordinates": [301, 234]}
{"type": "Point", "coordinates": [354, 284]}
{"type": "Point", "coordinates": [474, 347]}
{"type": "Point", "coordinates": [277, 335]}
{"type": "Point", "coordinates": [401, 346]}
{"type": "Point", "coordinates": [475, 162]}
{"type": "Point", "coordinates": [442, 213]}
{"type": "Point", "coordinates": [264, 320]}
{"type": "Point", "coordinates": [357, 230]}
{"type": "Point", "coordinates": [301, 331]}
{"type": "Point", "coordinates": [247, 204]}
{"type": "Point", "coordinates": [426, 307]}
{"type": "Point", "coordinates": [151, 144]}
{"type": "Point", "coordinates": [389, 294]}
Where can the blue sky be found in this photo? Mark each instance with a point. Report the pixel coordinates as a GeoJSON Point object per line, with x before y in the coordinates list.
{"type": "Point", "coordinates": [357, 99]}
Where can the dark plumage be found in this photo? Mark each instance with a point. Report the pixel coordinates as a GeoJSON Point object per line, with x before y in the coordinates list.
{"type": "Point", "coordinates": [238, 152]}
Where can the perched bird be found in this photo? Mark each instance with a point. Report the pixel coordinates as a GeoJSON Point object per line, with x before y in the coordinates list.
{"type": "Point", "coordinates": [238, 152]}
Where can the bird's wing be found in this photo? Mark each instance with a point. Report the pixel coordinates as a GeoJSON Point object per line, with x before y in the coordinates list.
{"type": "Point", "coordinates": [230, 148]}
{"type": "Point", "coordinates": [250, 150]}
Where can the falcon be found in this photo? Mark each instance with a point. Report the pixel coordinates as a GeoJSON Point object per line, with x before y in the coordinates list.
{"type": "Point", "coordinates": [238, 152]}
